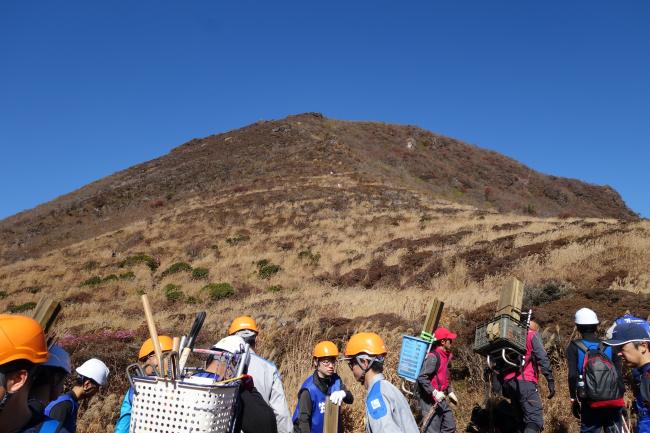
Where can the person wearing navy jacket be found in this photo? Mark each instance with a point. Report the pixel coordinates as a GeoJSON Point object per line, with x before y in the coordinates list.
{"type": "Point", "coordinates": [322, 385]}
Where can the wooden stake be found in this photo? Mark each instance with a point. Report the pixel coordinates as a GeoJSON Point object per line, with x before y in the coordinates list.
{"type": "Point", "coordinates": [433, 317]}
{"type": "Point", "coordinates": [512, 296]}
{"type": "Point", "coordinates": [46, 312]}
{"type": "Point", "coordinates": [331, 423]}
{"type": "Point", "coordinates": [153, 333]}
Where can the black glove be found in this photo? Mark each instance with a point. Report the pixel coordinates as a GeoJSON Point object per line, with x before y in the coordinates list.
{"type": "Point", "coordinates": [575, 408]}
{"type": "Point", "coordinates": [551, 390]}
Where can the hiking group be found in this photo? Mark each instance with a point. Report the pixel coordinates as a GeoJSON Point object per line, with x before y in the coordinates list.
{"type": "Point", "coordinates": [32, 379]}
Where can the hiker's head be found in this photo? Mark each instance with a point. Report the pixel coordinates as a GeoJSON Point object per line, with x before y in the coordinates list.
{"type": "Point", "coordinates": [631, 341]}
{"type": "Point", "coordinates": [147, 355]}
{"type": "Point", "coordinates": [324, 356]}
{"type": "Point", "coordinates": [22, 347]}
{"type": "Point", "coordinates": [230, 351]}
{"type": "Point", "coordinates": [444, 338]}
{"type": "Point", "coordinates": [49, 377]}
{"type": "Point", "coordinates": [586, 320]}
{"type": "Point", "coordinates": [365, 352]}
{"type": "Point", "coordinates": [246, 328]}
{"type": "Point", "coordinates": [91, 375]}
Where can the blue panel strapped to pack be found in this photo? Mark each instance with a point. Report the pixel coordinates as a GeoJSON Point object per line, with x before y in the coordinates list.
{"type": "Point", "coordinates": [411, 357]}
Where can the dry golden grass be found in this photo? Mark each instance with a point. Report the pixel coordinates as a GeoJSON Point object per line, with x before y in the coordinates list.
{"type": "Point", "coordinates": [311, 306]}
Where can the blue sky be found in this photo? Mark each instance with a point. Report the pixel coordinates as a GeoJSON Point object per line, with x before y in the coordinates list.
{"type": "Point", "coordinates": [90, 88]}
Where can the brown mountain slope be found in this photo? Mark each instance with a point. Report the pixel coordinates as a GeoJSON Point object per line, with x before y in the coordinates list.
{"type": "Point", "coordinates": [286, 155]}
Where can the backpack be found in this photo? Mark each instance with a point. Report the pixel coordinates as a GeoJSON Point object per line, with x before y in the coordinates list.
{"type": "Point", "coordinates": [598, 376]}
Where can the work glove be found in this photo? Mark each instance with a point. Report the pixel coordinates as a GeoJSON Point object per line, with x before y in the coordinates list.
{"type": "Point", "coordinates": [551, 390]}
{"type": "Point", "coordinates": [575, 408]}
{"type": "Point", "coordinates": [337, 397]}
{"type": "Point", "coordinates": [438, 396]}
{"type": "Point", "coordinates": [452, 398]}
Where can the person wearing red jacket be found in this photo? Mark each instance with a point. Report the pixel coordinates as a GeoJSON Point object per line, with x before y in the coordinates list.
{"type": "Point", "coordinates": [434, 385]}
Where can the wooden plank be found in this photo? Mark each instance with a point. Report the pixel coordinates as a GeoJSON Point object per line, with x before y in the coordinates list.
{"type": "Point", "coordinates": [46, 312]}
{"type": "Point", "coordinates": [512, 296]}
{"type": "Point", "coordinates": [331, 424]}
{"type": "Point", "coordinates": [433, 317]}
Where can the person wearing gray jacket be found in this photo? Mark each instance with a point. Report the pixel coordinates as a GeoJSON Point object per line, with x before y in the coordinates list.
{"type": "Point", "coordinates": [387, 411]}
{"type": "Point", "coordinates": [265, 374]}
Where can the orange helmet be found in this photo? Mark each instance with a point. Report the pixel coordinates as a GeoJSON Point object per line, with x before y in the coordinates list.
{"type": "Point", "coordinates": [325, 349]}
{"type": "Point", "coordinates": [243, 323]}
{"type": "Point", "coordinates": [21, 337]}
{"type": "Point", "coordinates": [147, 347]}
{"type": "Point", "coordinates": [365, 342]}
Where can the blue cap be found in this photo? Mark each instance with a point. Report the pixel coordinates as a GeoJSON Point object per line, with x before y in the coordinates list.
{"type": "Point", "coordinates": [628, 332]}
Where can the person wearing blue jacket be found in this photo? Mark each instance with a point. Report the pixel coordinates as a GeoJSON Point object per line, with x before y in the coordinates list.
{"type": "Point", "coordinates": [324, 384]}
{"type": "Point", "coordinates": [149, 362]}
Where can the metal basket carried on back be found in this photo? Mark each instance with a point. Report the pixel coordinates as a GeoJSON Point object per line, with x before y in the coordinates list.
{"type": "Point", "coordinates": [173, 406]}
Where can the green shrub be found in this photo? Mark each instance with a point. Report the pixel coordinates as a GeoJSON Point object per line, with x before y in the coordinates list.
{"type": "Point", "coordinates": [200, 273]}
{"type": "Point", "coordinates": [544, 293]}
{"type": "Point", "coordinates": [275, 288]}
{"type": "Point", "coordinates": [308, 256]}
{"type": "Point", "coordinates": [3, 294]}
{"type": "Point", "coordinates": [177, 267]}
{"type": "Point", "coordinates": [127, 276]}
{"type": "Point", "coordinates": [140, 292]}
{"type": "Point", "coordinates": [138, 259]}
{"type": "Point", "coordinates": [266, 269]}
{"type": "Point", "coordinates": [173, 292]}
{"type": "Point", "coordinates": [219, 290]}
{"type": "Point", "coordinates": [192, 300]}
{"type": "Point", "coordinates": [92, 281]}
{"type": "Point", "coordinates": [111, 277]}
{"type": "Point", "coordinates": [530, 209]}
{"type": "Point", "coordinates": [237, 239]}
{"type": "Point", "coordinates": [22, 307]}
{"type": "Point", "coordinates": [33, 289]}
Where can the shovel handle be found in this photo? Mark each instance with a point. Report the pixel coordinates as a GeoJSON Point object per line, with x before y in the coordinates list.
{"type": "Point", "coordinates": [176, 344]}
{"type": "Point", "coordinates": [152, 330]}
{"type": "Point", "coordinates": [184, 355]}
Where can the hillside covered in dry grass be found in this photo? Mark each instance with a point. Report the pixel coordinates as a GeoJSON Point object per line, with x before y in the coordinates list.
{"type": "Point", "coordinates": [317, 252]}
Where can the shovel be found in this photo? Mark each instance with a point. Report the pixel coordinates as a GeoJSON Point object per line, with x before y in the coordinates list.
{"type": "Point", "coordinates": [191, 339]}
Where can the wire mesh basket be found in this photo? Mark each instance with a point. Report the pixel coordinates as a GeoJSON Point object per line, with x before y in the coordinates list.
{"type": "Point", "coordinates": [173, 406]}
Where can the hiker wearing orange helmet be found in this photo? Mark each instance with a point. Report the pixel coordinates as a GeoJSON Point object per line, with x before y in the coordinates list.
{"type": "Point", "coordinates": [387, 411]}
{"type": "Point", "coordinates": [265, 374]}
{"type": "Point", "coordinates": [435, 390]}
{"type": "Point", "coordinates": [149, 362]}
{"type": "Point", "coordinates": [323, 384]}
{"type": "Point", "coordinates": [22, 348]}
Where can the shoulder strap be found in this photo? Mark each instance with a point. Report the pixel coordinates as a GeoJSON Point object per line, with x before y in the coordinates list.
{"type": "Point", "coordinates": [581, 345]}
{"type": "Point", "coordinates": [50, 426]}
{"type": "Point", "coordinates": [437, 356]}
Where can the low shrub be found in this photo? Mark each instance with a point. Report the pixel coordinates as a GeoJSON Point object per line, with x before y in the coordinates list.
{"type": "Point", "coordinates": [138, 259]}
{"type": "Point", "coordinates": [237, 239]}
{"type": "Point", "coordinates": [127, 276]}
{"type": "Point", "coordinates": [176, 268]}
{"type": "Point", "coordinates": [22, 307]}
{"type": "Point", "coordinates": [200, 273]}
{"type": "Point", "coordinates": [266, 269]}
{"type": "Point", "coordinates": [3, 294]}
{"type": "Point", "coordinates": [92, 281]}
{"type": "Point", "coordinates": [111, 277]}
{"type": "Point", "coordinates": [308, 256]}
{"type": "Point", "coordinates": [275, 288]}
{"type": "Point", "coordinates": [89, 265]}
{"type": "Point", "coordinates": [544, 293]}
{"type": "Point", "coordinates": [33, 289]}
{"type": "Point", "coordinates": [219, 290]}
{"type": "Point", "coordinates": [192, 300]}
{"type": "Point", "coordinates": [173, 292]}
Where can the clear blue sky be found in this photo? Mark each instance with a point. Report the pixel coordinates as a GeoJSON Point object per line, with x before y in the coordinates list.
{"type": "Point", "coordinates": [89, 88]}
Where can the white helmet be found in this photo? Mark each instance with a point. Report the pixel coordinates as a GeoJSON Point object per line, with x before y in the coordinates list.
{"type": "Point", "coordinates": [585, 316]}
{"type": "Point", "coordinates": [94, 369]}
{"type": "Point", "coordinates": [58, 358]}
{"type": "Point", "coordinates": [232, 343]}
